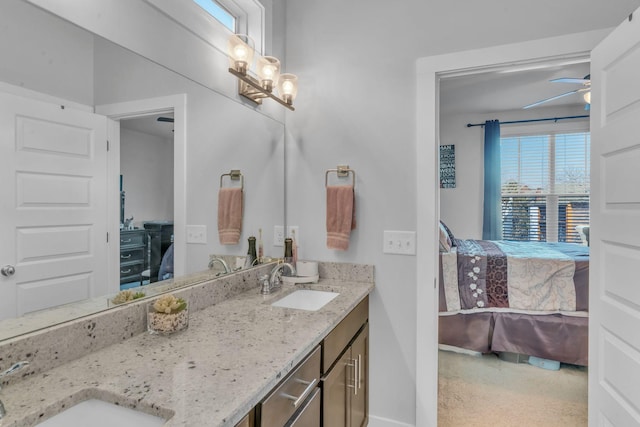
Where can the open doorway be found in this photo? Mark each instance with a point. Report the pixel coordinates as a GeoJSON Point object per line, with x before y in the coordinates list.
{"type": "Point", "coordinates": [172, 106]}
{"type": "Point", "coordinates": [473, 342]}
{"type": "Point", "coordinates": [146, 196]}
{"type": "Point", "coordinates": [430, 71]}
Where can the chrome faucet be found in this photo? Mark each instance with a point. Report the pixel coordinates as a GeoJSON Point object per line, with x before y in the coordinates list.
{"type": "Point", "coordinates": [212, 262]}
{"type": "Point", "coordinates": [12, 369]}
{"type": "Point", "coordinates": [274, 278]}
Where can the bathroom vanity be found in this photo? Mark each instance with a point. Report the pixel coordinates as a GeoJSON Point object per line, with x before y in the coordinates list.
{"type": "Point", "coordinates": [237, 354]}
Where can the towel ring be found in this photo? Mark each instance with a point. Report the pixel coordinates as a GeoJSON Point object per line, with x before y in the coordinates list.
{"type": "Point", "coordinates": [234, 175]}
{"type": "Point", "coordinates": [342, 171]}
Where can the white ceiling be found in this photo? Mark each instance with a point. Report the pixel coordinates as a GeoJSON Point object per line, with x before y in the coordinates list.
{"type": "Point", "coordinates": [510, 89]}
{"type": "Point", "coordinates": [150, 125]}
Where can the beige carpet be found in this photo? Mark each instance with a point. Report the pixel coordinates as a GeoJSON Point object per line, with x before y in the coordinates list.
{"type": "Point", "coordinates": [487, 391]}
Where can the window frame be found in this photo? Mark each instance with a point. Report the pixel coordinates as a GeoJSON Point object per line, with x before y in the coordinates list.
{"type": "Point", "coordinates": [552, 215]}
{"type": "Point", "coordinates": [249, 15]}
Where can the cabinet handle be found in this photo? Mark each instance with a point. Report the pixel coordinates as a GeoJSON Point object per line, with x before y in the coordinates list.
{"type": "Point", "coordinates": [299, 399]}
{"type": "Point", "coordinates": [354, 365]}
{"type": "Point", "coordinates": [359, 371]}
{"type": "Point", "coordinates": [125, 241]}
{"type": "Point", "coordinates": [125, 257]}
{"type": "Point", "coordinates": [125, 271]}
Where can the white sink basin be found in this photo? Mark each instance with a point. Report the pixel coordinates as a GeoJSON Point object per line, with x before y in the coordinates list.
{"type": "Point", "coordinates": [98, 413]}
{"type": "Point", "coordinates": [306, 299]}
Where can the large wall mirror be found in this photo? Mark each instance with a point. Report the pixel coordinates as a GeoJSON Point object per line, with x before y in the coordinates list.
{"type": "Point", "coordinates": [60, 63]}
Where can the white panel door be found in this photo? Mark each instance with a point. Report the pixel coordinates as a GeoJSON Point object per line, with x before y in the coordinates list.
{"type": "Point", "coordinates": [53, 211]}
{"type": "Point", "coordinates": [614, 371]}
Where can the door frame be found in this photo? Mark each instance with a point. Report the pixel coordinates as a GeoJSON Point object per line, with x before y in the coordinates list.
{"type": "Point", "coordinates": [429, 71]}
{"type": "Point", "coordinates": [139, 108]}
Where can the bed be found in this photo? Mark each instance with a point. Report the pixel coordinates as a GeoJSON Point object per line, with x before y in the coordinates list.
{"type": "Point", "coordinates": [528, 298]}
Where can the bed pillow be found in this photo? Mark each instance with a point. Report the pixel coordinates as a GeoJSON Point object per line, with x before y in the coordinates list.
{"type": "Point", "coordinates": [445, 241]}
{"type": "Point", "coordinates": [449, 233]}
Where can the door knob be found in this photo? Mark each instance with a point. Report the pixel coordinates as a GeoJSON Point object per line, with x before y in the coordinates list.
{"type": "Point", "coordinates": [8, 270]}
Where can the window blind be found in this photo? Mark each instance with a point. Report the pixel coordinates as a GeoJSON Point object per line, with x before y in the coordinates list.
{"type": "Point", "coordinates": [545, 186]}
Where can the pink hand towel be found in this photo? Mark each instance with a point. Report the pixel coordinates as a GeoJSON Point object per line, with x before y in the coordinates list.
{"type": "Point", "coordinates": [341, 210]}
{"type": "Point", "coordinates": [229, 215]}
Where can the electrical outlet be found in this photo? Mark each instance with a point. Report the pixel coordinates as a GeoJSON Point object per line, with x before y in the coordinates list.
{"type": "Point", "coordinates": [197, 234]}
{"type": "Point", "coordinates": [399, 242]}
{"type": "Point", "coordinates": [290, 232]}
{"type": "Point", "coordinates": [278, 235]}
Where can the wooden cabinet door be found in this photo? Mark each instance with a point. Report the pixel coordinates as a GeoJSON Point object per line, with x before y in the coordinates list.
{"type": "Point", "coordinates": [335, 394]}
{"type": "Point", "coordinates": [360, 394]}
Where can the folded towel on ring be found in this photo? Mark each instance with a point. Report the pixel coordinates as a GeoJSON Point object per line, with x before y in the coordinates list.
{"type": "Point", "coordinates": [229, 215]}
{"type": "Point", "coordinates": [341, 211]}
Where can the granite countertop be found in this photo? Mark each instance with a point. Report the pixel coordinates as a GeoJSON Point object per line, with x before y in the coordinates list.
{"type": "Point", "coordinates": [211, 374]}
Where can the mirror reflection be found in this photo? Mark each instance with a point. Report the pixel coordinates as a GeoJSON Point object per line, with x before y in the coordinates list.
{"type": "Point", "coordinates": [54, 67]}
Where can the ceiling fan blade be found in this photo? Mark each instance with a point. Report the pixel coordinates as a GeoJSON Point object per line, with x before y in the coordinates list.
{"type": "Point", "coordinates": [165, 119]}
{"type": "Point", "coordinates": [571, 80]}
{"type": "Point", "coordinates": [535, 104]}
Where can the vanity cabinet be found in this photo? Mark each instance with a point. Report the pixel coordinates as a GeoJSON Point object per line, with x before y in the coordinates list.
{"type": "Point", "coordinates": [133, 250]}
{"type": "Point", "coordinates": [296, 400]}
{"type": "Point", "coordinates": [345, 385]}
{"type": "Point", "coordinates": [248, 420]}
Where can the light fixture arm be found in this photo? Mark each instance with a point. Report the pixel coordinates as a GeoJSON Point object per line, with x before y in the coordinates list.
{"type": "Point", "coordinates": [251, 89]}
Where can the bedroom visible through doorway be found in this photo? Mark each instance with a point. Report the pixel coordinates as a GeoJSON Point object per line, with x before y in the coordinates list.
{"type": "Point", "coordinates": [146, 196]}
{"type": "Point", "coordinates": [500, 95]}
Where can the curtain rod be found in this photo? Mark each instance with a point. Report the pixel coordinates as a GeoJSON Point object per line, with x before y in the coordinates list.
{"type": "Point", "coordinates": [555, 119]}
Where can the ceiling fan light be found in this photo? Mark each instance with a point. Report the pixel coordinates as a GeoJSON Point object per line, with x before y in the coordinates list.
{"type": "Point", "coordinates": [587, 97]}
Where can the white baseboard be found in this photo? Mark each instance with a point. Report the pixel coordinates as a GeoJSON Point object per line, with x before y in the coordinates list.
{"type": "Point", "coordinates": [385, 422]}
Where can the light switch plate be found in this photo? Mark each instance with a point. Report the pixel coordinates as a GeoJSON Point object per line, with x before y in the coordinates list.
{"type": "Point", "coordinates": [399, 242]}
{"type": "Point", "coordinates": [278, 235]}
{"type": "Point", "coordinates": [197, 234]}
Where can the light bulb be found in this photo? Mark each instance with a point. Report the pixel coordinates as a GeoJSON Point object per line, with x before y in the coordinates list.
{"type": "Point", "coordinates": [587, 97]}
{"type": "Point", "coordinates": [268, 71]}
{"type": "Point", "coordinates": [240, 48]}
{"type": "Point", "coordinates": [288, 87]}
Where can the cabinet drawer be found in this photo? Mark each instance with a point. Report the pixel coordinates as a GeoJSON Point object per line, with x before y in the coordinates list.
{"type": "Point", "coordinates": [135, 254]}
{"type": "Point", "coordinates": [289, 396]}
{"type": "Point", "coordinates": [342, 334]}
{"type": "Point", "coordinates": [309, 416]}
{"type": "Point", "coordinates": [132, 238]}
{"type": "Point", "coordinates": [131, 269]}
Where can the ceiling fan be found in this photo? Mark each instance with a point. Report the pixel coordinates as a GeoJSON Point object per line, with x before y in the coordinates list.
{"type": "Point", "coordinates": [165, 119]}
{"type": "Point", "coordinates": [585, 89]}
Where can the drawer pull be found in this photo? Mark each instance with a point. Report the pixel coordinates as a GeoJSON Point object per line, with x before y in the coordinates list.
{"type": "Point", "coordinates": [356, 365]}
{"type": "Point", "coordinates": [125, 257]}
{"type": "Point", "coordinates": [297, 400]}
{"type": "Point", "coordinates": [125, 241]}
{"type": "Point", "coordinates": [125, 271]}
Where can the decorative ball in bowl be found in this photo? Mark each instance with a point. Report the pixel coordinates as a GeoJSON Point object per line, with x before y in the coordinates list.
{"type": "Point", "coordinates": [167, 315]}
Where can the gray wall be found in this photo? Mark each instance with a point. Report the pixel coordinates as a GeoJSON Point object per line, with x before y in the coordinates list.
{"type": "Point", "coordinates": [357, 106]}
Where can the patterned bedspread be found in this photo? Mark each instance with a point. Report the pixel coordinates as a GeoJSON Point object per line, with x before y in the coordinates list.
{"type": "Point", "coordinates": [481, 275]}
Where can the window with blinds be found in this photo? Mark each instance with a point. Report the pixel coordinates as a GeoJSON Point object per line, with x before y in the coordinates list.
{"type": "Point", "coordinates": [545, 186]}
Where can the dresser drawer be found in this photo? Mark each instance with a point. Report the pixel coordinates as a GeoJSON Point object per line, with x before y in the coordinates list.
{"type": "Point", "coordinates": [290, 395]}
{"type": "Point", "coordinates": [132, 238]}
{"type": "Point", "coordinates": [134, 254]}
{"type": "Point", "coordinates": [131, 269]}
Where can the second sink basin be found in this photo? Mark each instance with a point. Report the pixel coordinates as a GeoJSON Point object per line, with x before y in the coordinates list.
{"type": "Point", "coordinates": [98, 413]}
{"type": "Point", "coordinates": [306, 299]}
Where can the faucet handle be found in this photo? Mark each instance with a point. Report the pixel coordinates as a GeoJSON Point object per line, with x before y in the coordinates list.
{"type": "Point", "coordinates": [266, 286]}
{"type": "Point", "coordinates": [15, 367]}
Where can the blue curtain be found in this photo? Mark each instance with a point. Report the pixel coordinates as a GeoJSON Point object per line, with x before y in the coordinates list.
{"type": "Point", "coordinates": [492, 218]}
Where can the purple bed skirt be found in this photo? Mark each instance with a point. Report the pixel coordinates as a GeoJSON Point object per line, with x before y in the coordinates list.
{"type": "Point", "coordinates": [552, 336]}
